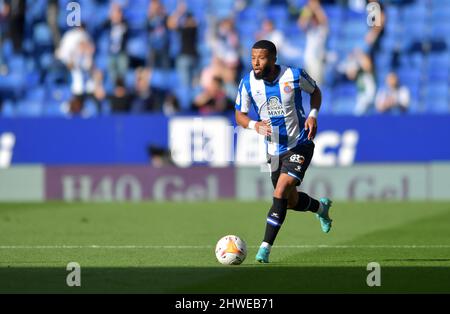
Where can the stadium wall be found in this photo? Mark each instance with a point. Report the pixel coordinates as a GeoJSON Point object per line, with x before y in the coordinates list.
{"type": "Point", "coordinates": [139, 183]}
{"type": "Point", "coordinates": [125, 140]}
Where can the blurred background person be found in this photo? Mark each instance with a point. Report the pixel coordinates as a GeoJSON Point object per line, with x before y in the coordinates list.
{"type": "Point", "coordinates": [4, 22]}
{"type": "Point", "coordinates": [159, 39]}
{"type": "Point", "coordinates": [146, 98]}
{"type": "Point", "coordinates": [314, 22]}
{"type": "Point", "coordinates": [52, 21]}
{"type": "Point", "coordinates": [117, 29]}
{"type": "Point", "coordinates": [358, 68]}
{"type": "Point", "coordinates": [375, 32]}
{"type": "Point", "coordinates": [225, 47]}
{"type": "Point", "coordinates": [170, 105]}
{"type": "Point", "coordinates": [186, 25]}
{"type": "Point", "coordinates": [120, 100]}
{"type": "Point", "coordinates": [393, 97]}
{"type": "Point", "coordinates": [213, 99]}
{"type": "Point", "coordinates": [287, 52]}
{"type": "Point", "coordinates": [17, 10]}
{"type": "Point", "coordinates": [76, 52]}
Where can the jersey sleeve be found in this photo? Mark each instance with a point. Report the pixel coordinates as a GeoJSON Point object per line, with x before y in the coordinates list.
{"type": "Point", "coordinates": [307, 84]}
{"type": "Point", "coordinates": [243, 100]}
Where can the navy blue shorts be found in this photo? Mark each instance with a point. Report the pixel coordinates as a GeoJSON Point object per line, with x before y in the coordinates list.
{"type": "Point", "coordinates": [294, 162]}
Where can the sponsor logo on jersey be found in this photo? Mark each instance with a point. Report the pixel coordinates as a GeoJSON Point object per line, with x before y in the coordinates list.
{"type": "Point", "coordinates": [274, 107]}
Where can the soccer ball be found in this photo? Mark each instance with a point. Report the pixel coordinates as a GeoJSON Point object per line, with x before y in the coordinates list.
{"type": "Point", "coordinates": [231, 250]}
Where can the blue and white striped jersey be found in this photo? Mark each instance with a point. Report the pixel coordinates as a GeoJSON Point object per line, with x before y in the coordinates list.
{"type": "Point", "coordinates": [281, 102]}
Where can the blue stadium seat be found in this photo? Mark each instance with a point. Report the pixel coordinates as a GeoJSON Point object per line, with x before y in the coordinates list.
{"type": "Point", "coordinates": [333, 12]}
{"type": "Point", "coordinates": [36, 94]}
{"type": "Point", "coordinates": [164, 79]}
{"type": "Point", "coordinates": [343, 105]}
{"type": "Point", "coordinates": [138, 47]}
{"type": "Point", "coordinates": [89, 109]}
{"type": "Point", "coordinates": [59, 93]}
{"type": "Point", "coordinates": [36, 11]}
{"type": "Point", "coordinates": [42, 35]}
{"type": "Point", "coordinates": [30, 108]}
{"type": "Point", "coordinates": [8, 109]}
{"type": "Point", "coordinates": [130, 78]}
{"type": "Point", "coordinates": [16, 63]}
{"type": "Point", "coordinates": [101, 62]}
{"type": "Point", "coordinates": [53, 109]}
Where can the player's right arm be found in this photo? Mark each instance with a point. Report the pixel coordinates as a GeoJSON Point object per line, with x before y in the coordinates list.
{"type": "Point", "coordinates": [242, 106]}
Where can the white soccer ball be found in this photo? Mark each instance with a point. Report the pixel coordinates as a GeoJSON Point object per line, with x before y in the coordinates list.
{"type": "Point", "coordinates": [231, 250]}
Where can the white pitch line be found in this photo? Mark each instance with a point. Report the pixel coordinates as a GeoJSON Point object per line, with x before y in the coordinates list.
{"type": "Point", "coordinates": [133, 247]}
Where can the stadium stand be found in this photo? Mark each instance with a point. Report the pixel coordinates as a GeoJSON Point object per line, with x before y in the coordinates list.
{"type": "Point", "coordinates": [415, 44]}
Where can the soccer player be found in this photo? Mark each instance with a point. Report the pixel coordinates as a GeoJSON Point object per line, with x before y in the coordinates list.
{"type": "Point", "coordinates": [275, 92]}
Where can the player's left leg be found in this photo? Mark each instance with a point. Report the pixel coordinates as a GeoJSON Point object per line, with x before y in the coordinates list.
{"type": "Point", "coordinates": [295, 164]}
{"type": "Point", "coordinates": [302, 202]}
{"type": "Point", "coordinates": [276, 215]}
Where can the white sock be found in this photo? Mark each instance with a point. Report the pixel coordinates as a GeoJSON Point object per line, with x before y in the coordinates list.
{"type": "Point", "coordinates": [320, 210]}
{"type": "Point", "coordinates": [266, 245]}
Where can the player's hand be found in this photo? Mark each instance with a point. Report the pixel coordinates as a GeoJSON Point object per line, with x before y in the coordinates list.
{"type": "Point", "coordinates": [311, 125]}
{"type": "Point", "coordinates": [263, 127]}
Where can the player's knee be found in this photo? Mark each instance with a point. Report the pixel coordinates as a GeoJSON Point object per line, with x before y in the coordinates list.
{"type": "Point", "coordinates": [283, 189]}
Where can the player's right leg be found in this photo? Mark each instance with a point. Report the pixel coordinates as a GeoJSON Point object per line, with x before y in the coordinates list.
{"type": "Point", "coordinates": [302, 202]}
{"type": "Point", "coordinates": [276, 215]}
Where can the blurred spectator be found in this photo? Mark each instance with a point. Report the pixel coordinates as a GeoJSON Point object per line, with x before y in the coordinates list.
{"type": "Point", "coordinates": [186, 24]}
{"type": "Point", "coordinates": [314, 22]}
{"type": "Point", "coordinates": [358, 67]}
{"type": "Point", "coordinates": [17, 23]}
{"type": "Point", "coordinates": [120, 100]}
{"type": "Point", "coordinates": [225, 47]}
{"type": "Point", "coordinates": [118, 36]}
{"type": "Point", "coordinates": [285, 50]}
{"type": "Point", "coordinates": [99, 93]}
{"type": "Point", "coordinates": [268, 32]}
{"type": "Point", "coordinates": [158, 36]}
{"type": "Point", "coordinates": [392, 97]}
{"type": "Point", "coordinates": [213, 99]}
{"type": "Point", "coordinates": [145, 97]}
{"type": "Point", "coordinates": [4, 21]}
{"type": "Point", "coordinates": [171, 105]}
{"type": "Point", "coordinates": [52, 20]}
{"type": "Point", "coordinates": [76, 51]}
{"type": "Point", "coordinates": [375, 33]}
{"type": "Point", "coordinates": [76, 105]}
{"type": "Point", "coordinates": [70, 44]}
{"type": "Point", "coordinates": [159, 156]}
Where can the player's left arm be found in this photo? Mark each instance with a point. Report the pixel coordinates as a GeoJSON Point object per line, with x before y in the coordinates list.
{"type": "Point", "coordinates": [308, 85]}
{"type": "Point", "coordinates": [311, 121]}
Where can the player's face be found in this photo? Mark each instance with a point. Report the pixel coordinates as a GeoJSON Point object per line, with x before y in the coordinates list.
{"type": "Point", "coordinates": [262, 62]}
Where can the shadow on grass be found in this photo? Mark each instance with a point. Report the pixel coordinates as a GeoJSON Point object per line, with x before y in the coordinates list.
{"type": "Point", "coordinates": [260, 280]}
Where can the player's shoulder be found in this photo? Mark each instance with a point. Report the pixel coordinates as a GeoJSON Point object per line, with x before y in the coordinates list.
{"type": "Point", "coordinates": [301, 75]}
{"type": "Point", "coordinates": [245, 81]}
{"type": "Point", "coordinates": [291, 71]}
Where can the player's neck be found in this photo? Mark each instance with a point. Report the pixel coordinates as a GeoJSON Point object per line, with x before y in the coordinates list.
{"type": "Point", "coordinates": [272, 76]}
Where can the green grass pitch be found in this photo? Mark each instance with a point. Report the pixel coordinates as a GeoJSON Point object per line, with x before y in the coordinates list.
{"type": "Point", "coordinates": [169, 248]}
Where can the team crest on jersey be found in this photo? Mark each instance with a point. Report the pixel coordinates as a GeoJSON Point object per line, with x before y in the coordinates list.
{"type": "Point", "coordinates": [274, 107]}
{"type": "Point", "coordinates": [299, 159]}
{"type": "Point", "coordinates": [287, 88]}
